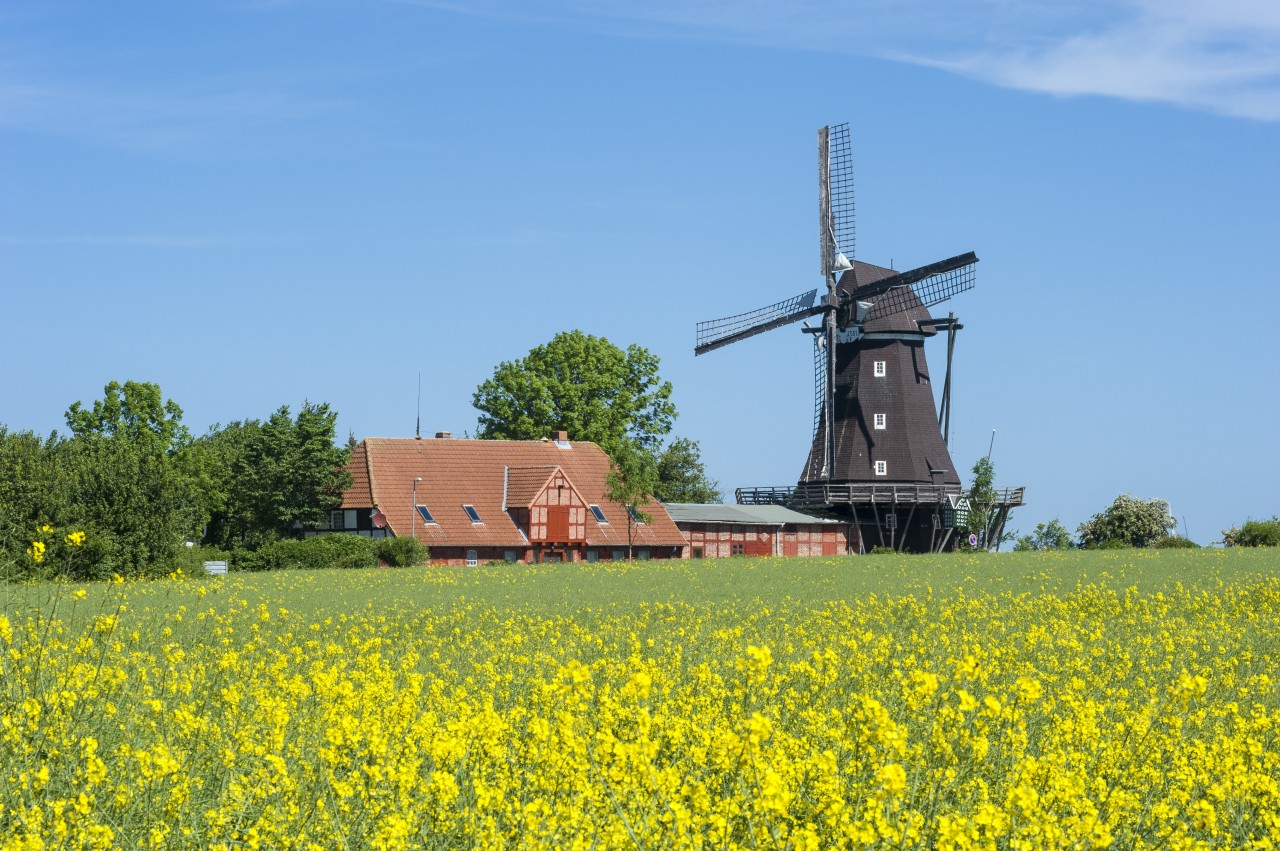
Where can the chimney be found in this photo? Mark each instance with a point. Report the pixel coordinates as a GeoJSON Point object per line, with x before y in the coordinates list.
{"type": "Point", "coordinates": [560, 436]}
{"type": "Point", "coordinates": [444, 435]}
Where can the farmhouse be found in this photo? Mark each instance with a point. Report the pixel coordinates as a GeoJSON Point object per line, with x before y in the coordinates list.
{"type": "Point", "coordinates": [720, 531]}
{"type": "Point", "coordinates": [473, 501]}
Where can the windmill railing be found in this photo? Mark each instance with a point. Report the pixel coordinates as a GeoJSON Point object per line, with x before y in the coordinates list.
{"type": "Point", "coordinates": [863, 494]}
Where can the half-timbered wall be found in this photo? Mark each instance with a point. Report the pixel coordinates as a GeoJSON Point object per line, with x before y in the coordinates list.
{"type": "Point", "coordinates": [558, 514]}
{"type": "Point", "coordinates": [719, 540]}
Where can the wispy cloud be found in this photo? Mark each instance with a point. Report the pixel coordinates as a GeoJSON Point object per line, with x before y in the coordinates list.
{"type": "Point", "coordinates": [1219, 56]}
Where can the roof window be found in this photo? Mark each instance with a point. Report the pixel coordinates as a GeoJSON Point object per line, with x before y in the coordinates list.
{"type": "Point", "coordinates": [597, 513]}
{"type": "Point", "coordinates": [472, 513]}
{"type": "Point", "coordinates": [425, 514]}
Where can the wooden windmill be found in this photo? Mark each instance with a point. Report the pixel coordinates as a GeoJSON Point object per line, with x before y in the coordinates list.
{"type": "Point", "coordinates": [877, 442]}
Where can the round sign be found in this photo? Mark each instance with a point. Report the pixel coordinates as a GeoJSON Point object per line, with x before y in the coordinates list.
{"type": "Point", "coordinates": [973, 540]}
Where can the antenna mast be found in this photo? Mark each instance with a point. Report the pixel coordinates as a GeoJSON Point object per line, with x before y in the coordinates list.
{"type": "Point", "coordinates": [417, 429]}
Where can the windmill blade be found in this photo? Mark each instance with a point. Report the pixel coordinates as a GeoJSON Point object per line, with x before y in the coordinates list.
{"type": "Point", "coordinates": [721, 332]}
{"type": "Point", "coordinates": [836, 229]}
{"type": "Point", "coordinates": [922, 287]}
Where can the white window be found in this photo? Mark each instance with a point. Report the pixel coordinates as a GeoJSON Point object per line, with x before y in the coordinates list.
{"type": "Point", "coordinates": [882, 468]}
{"type": "Point", "coordinates": [880, 372]}
{"type": "Point", "coordinates": [472, 558]}
{"type": "Point", "coordinates": [880, 421]}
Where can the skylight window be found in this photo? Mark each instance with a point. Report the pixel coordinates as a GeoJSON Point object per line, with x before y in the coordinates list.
{"type": "Point", "coordinates": [472, 513]}
{"type": "Point", "coordinates": [425, 514]}
{"type": "Point", "coordinates": [597, 513]}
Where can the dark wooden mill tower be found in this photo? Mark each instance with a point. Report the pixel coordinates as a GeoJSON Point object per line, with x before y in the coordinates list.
{"type": "Point", "coordinates": [879, 455]}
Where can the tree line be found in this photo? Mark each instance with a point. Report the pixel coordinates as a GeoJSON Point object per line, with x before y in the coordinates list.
{"type": "Point", "coordinates": [128, 488]}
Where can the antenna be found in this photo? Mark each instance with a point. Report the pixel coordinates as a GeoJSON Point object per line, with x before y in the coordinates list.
{"type": "Point", "coordinates": [417, 429]}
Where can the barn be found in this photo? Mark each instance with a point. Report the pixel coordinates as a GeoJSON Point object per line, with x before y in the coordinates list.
{"type": "Point", "coordinates": [720, 531]}
{"type": "Point", "coordinates": [472, 501]}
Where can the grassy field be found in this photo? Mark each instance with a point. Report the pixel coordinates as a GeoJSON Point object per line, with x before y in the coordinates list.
{"type": "Point", "coordinates": [1122, 699]}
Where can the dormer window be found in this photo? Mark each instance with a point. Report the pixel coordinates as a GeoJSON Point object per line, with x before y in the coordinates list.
{"type": "Point", "coordinates": [882, 468]}
{"type": "Point", "coordinates": [472, 513]}
{"type": "Point", "coordinates": [880, 421]}
{"type": "Point", "coordinates": [879, 369]}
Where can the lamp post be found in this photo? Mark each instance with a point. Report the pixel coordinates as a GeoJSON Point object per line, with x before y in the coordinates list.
{"type": "Point", "coordinates": [413, 511]}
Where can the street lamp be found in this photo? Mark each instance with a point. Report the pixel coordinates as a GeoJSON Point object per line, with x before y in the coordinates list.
{"type": "Point", "coordinates": [413, 511]}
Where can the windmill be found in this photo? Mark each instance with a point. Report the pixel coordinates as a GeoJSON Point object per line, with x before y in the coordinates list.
{"type": "Point", "coordinates": [878, 444]}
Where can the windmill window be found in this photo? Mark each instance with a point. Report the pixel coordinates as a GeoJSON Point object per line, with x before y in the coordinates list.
{"type": "Point", "coordinates": [425, 514]}
{"type": "Point", "coordinates": [891, 521]}
{"type": "Point", "coordinates": [597, 513]}
{"type": "Point", "coordinates": [472, 513]}
{"type": "Point", "coordinates": [880, 421]}
{"type": "Point", "coordinates": [882, 468]}
{"type": "Point", "coordinates": [880, 370]}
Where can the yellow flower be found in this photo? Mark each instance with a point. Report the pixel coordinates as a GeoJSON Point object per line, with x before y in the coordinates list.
{"type": "Point", "coordinates": [967, 701]}
{"type": "Point", "coordinates": [75, 539]}
{"type": "Point", "coordinates": [36, 551]}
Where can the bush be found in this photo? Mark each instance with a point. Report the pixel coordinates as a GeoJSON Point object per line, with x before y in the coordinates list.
{"type": "Point", "coordinates": [401, 552]}
{"type": "Point", "coordinates": [344, 552]}
{"type": "Point", "coordinates": [883, 551]}
{"type": "Point", "coordinates": [1130, 522]}
{"type": "Point", "coordinates": [1254, 533]}
{"type": "Point", "coordinates": [1174, 542]}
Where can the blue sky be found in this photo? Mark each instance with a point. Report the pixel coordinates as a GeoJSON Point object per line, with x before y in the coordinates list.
{"type": "Point", "coordinates": [256, 203]}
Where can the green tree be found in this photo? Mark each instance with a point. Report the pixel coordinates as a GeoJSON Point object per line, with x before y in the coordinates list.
{"type": "Point", "coordinates": [1047, 536]}
{"type": "Point", "coordinates": [984, 518]}
{"type": "Point", "coordinates": [126, 479]}
{"type": "Point", "coordinates": [583, 385]}
{"type": "Point", "coordinates": [1127, 522]}
{"type": "Point", "coordinates": [631, 481]}
{"type": "Point", "coordinates": [265, 478]}
{"type": "Point", "coordinates": [681, 476]}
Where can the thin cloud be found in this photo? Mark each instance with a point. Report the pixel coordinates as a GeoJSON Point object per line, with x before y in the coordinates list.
{"type": "Point", "coordinates": [1219, 56]}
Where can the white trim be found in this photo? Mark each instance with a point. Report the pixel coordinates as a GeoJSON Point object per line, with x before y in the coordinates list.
{"type": "Point", "coordinates": [882, 468]}
{"type": "Point", "coordinates": [879, 369]}
{"type": "Point", "coordinates": [879, 421]}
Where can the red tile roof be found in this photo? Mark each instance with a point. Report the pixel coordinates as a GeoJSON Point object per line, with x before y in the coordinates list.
{"type": "Point", "coordinates": [472, 472]}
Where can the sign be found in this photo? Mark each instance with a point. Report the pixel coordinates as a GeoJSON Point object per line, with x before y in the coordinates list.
{"type": "Point", "coordinates": [973, 540]}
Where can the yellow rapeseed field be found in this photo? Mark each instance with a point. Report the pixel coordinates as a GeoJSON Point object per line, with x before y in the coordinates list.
{"type": "Point", "coordinates": [1118, 699]}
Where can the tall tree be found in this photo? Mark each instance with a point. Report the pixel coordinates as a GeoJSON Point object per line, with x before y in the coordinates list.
{"type": "Point", "coordinates": [264, 477]}
{"type": "Point", "coordinates": [1128, 521]}
{"type": "Point", "coordinates": [583, 385]}
{"type": "Point", "coordinates": [631, 482]}
{"type": "Point", "coordinates": [681, 476]}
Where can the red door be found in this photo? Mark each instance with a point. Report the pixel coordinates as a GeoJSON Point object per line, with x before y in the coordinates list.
{"type": "Point", "coordinates": [557, 523]}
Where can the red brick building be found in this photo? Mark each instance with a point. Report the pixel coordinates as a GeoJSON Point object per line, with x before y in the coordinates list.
{"type": "Point", "coordinates": [720, 531]}
{"type": "Point", "coordinates": [475, 501]}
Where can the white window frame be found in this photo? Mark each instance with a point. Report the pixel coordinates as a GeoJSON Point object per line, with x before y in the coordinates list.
{"type": "Point", "coordinates": [880, 422]}
{"type": "Point", "coordinates": [472, 515]}
{"type": "Point", "coordinates": [335, 519]}
{"type": "Point", "coordinates": [598, 514]}
{"type": "Point", "coordinates": [879, 369]}
{"type": "Point", "coordinates": [882, 468]}
{"type": "Point", "coordinates": [473, 558]}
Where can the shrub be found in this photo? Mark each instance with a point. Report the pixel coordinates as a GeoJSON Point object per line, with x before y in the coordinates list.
{"type": "Point", "coordinates": [1129, 522]}
{"type": "Point", "coordinates": [401, 552]}
{"type": "Point", "coordinates": [1254, 533]}
{"type": "Point", "coordinates": [883, 551]}
{"type": "Point", "coordinates": [344, 552]}
{"type": "Point", "coordinates": [1174, 542]}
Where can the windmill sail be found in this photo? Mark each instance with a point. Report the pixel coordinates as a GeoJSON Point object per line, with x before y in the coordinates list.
{"type": "Point", "coordinates": [925, 286]}
{"type": "Point", "coordinates": [721, 332]}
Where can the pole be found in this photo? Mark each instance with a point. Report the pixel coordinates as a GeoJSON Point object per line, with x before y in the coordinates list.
{"type": "Point", "coordinates": [413, 510]}
{"type": "Point", "coordinates": [991, 444]}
